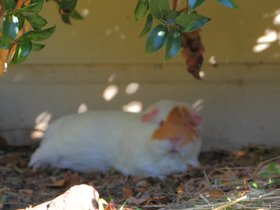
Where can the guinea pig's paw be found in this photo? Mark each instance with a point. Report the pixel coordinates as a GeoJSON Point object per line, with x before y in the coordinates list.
{"type": "Point", "coordinates": [194, 162]}
{"type": "Point", "coordinates": [37, 164]}
{"type": "Point", "coordinates": [39, 160]}
{"type": "Point", "coordinates": [161, 176]}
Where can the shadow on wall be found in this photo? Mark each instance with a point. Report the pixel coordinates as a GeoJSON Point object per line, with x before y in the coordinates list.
{"type": "Point", "coordinates": [109, 93]}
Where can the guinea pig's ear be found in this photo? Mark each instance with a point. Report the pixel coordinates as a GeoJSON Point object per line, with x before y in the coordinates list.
{"type": "Point", "coordinates": [195, 120]}
{"type": "Point", "coordinates": [150, 115]}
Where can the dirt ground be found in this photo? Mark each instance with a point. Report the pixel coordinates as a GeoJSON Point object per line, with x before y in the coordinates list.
{"type": "Point", "coordinates": [251, 175]}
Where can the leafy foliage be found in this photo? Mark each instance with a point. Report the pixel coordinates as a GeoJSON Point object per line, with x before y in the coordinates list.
{"type": "Point", "coordinates": [165, 26]}
{"type": "Point", "coordinates": [193, 4]}
{"type": "Point", "coordinates": [228, 3]}
{"type": "Point", "coordinates": [172, 21]}
{"type": "Point", "coordinates": [271, 173]}
{"type": "Point", "coordinates": [173, 44]}
{"type": "Point", "coordinates": [156, 38]}
{"type": "Point", "coordinates": [23, 28]}
{"type": "Point", "coordinates": [169, 27]}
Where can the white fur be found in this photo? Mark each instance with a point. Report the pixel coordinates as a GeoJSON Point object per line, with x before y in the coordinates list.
{"type": "Point", "coordinates": [100, 140]}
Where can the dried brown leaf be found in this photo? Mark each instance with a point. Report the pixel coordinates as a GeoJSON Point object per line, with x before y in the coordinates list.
{"type": "Point", "coordinates": [181, 188]}
{"type": "Point", "coordinates": [127, 192]}
{"type": "Point", "coordinates": [214, 194]}
{"type": "Point", "coordinates": [110, 206]}
{"type": "Point", "coordinates": [68, 180]}
{"type": "Point", "coordinates": [142, 183]}
{"type": "Point", "coordinates": [26, 191]}
{"type": "Point", "coordinates": [137, 201]}
{"type": "Point", "coordinates": [239, 153]}
{"type": "Point", "coordinates": [192, 52]}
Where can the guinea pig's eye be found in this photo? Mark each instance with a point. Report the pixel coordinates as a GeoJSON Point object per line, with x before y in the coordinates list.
{"type": "Point", "coordinates": [161, 123]}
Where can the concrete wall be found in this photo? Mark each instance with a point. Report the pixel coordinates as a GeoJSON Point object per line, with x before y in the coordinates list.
{"type": "Point", "coordinates": [102, 54]}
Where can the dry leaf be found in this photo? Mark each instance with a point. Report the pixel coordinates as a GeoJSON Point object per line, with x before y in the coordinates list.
{"type": "Point", "coordinates": [68, 180]}
{"type": "Point", "coordinates": [138, 201]}
{"type": "Point", "coordinates": [215, 194]}
{"type": "Point", "coordinates": [127, 192]}
{"type": "Point", "coordinates": [192, 52]}
{"type": "Point", "coordinates": [110, 206]}
{"type": "Point", "coordinates": [181, 188]}
{"type": "Point", "coordinates": [141, 186]}
{"type": "Point", "coordinates": [142, 183]}
{"type": "Point", "coordinates": [26, 191]}
{"type": "Point", "coordinates": [159, 199]}
{"type": "Point", "coordinates": [239, 153]}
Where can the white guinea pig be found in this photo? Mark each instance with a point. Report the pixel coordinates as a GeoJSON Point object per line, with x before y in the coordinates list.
{"type": "Point", "coordinates": [159, 141]}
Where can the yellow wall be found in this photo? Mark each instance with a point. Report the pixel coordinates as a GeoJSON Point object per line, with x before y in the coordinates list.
{"type": "Point", "coordinates": [109, 34]}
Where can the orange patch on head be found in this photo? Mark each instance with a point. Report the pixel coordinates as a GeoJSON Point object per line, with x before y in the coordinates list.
{"type": "Point", "coordinates": [178, 124]}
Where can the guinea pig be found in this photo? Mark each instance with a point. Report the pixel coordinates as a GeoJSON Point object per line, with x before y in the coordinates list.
{"type": "Point", "coordinates": [155, 143]}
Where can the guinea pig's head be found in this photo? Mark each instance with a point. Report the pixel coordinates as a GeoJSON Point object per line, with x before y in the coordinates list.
{"type": "Point", "coordinates": [177, 130]}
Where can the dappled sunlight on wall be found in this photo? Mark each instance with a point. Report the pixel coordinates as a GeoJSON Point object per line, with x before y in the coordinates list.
{"type": "Point", "coordinates": [212, 60]}
{"type": "Point", "coordinates": [264, 42]}
{"type": "Point", "coordinates": [115, 31]}
{"type": "Point", "coordinates": [202, 74]}
{"type": "Point", "coordinates": [276, 20]}
{"type": "Point", "coordinates": [132, 88]}
{"type": "Point", "coordinates": [41, 125]}
{"type": "Point", "coordinates": [112, 77]}
{"type": "Point", "coordinates": [134, 107]}
{"type": "Point", "coordinates": [85, 12]}
{"type": "Point", "coordinates": [198, 105]}
{"type": "Point", "coordinates": [82, 108]}
{"type": "Point", "coordinates": [270, 35]}
{"type": "Point", "coordinates": [110, 92]}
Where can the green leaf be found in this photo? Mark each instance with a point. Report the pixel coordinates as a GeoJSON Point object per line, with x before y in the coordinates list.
{"type": "Point", "coordinates": [159, 8]}
{"type": "Point", "coordinates": [10, 26]}
{"type": "Point", "coordinates": [37, 46]}
{"type": "Point", "coordinates": [35, 6]}
{"type": "Point", "coordinates": [264, 174]}
{"type": "Point", "coordinates": [36, 21]}
{"type": "Point", "coordinates": [191, 22]}
{"type": "Point", "coordinates": [148, 25]}
{"type": "Point", "coordinates": [68, 4]}
{"type": "Point", "coordinates": [5, 39]}
{"type": "Point", "coordinates": [66, 19]}
{"type": "Point", "coordinates": [41, 35]}
{"type": "Point", "coordinates": [228, 3]}
{"type": "Point", "coordinates": [4, 44]}
{"type": "Point", "coordinates": [21, 19]}
{"type": "Point", "coordinates": [272, 166]}
{"type": "Point", "coordinates": [9, 4]}
{"type": "Point", "coordinates": [75, 15]}
{"type": "Point", "coordinates": [173, 44]}
{"type": "Point", "coordinates": [141, 9]}
{"type": "Point", "coordinates": [193, 4]}
{"type": "Point", "coordinates": [22, 50]}
{"type": "Point", "coordinates": [156, 38]}
{"type": "Point", "coordinates": [171, 16]}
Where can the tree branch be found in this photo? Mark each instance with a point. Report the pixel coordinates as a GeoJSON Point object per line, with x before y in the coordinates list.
{"type": "Point", "coordinates": [174, 4]}
{"type": "Point", "coordinates": [1, 8]}
{"type": "Point", "coordinates": [19, 4]}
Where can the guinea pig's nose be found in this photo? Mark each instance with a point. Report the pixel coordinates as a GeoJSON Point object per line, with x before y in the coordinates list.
{"type": "Point", "coordinates": [174, 140]}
